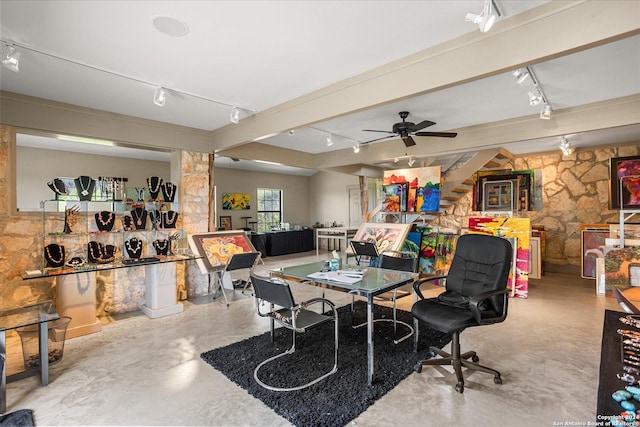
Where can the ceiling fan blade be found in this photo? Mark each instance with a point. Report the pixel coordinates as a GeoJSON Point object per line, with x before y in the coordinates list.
{"type": "Point", "coordinates": [379, 139]}
{"type": "Point", "coordinates": [423, 124]}
{"type": "Point", "coordinates": [440, 134]}
{"type": "Point", "coordinates": [408, 141]}
{"type": "Point", "coordinates": [373, 130]}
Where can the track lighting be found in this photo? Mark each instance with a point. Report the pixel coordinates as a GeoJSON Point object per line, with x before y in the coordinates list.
{"type": "Point", "coordinates": [160, 96]}
{"type": "Point", "coordinates": [292, 132]}
{"type": "Point", "coordinates": [534, 98]}
{"type": "Point", "coordinates": [545, 113]}
{"type": "Point", "coordinates": [11, 57]}
{"type": "Point", "coordinates": [234, 116]}
{"type": "Point", "coordinates": [411, 161]}
{"type": "Point", "coordinates": [485, 19]}
{"type": "Point", "coordinates": [521, 75]}
{"type": "Point", "coordinates": [329, 140]}
{"type": "Point", "coordinates": [395, 160]}
{"type": "Point", "coordinates": [566, 147]}
{"type": "Point", "coordinates": [356, 148]}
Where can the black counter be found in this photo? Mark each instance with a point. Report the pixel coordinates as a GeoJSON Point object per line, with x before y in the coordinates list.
{"type": "Point", "coordinates": [288, 242]}
{"type": "Point", "coordinates": [610, 366]}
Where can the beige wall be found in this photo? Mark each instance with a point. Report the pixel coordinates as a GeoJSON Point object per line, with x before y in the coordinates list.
{"type": "Point", "coordinates": [296, 197]}
{"type": "Point", "coordinates": [36, 167]}
{"type": "Point", "coordinates": [330, 197]}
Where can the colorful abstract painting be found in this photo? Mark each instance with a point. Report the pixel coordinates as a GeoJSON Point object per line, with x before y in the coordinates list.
{"type": "Point", "coordinates": [624, 182]}
{"type": "Point", "coordinates": [236, 201]}
{"type": "Point", "coordinates": [395, 197]}
{"type": "Point", "coordinates": [518, 229]}
{"type": "Point", "coordinates": [592, 243]}
{"type": "Point", "coordinates": [216, 248]}
{"type": "Point", "coordinates": [425, 182]}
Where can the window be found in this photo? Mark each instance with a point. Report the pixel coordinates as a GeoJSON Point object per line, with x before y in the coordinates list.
{"type": "Point", "coordinates": [269, 209]}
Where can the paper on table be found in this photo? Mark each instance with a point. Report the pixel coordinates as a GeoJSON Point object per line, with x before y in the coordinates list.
{"type": "Point", "coordinates": [334, 276]}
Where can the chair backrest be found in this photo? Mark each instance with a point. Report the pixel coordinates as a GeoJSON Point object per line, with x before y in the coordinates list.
{"type": "Point", "coordinates": [275, 291]}
{"type": "Point", "coordinates": [395, 260]}
{"type": "Point", "coordinates": [481, 263]}
{"type": "Point", "coordinates": [364, 248]}
{"type": "Point", "coordinates": [242, 260]}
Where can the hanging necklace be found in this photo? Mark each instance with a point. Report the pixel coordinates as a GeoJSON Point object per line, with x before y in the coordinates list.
{"type": "Point", "coordinates": [138, 215]}
{"type": "Point", "coordinates": [161, 246]}
{"type": "Point", "coordinates": [127, 221]}
{"type": "Point", "coordinates": [58, 186]}
{"type": "Point", "coordinates": [57, 248]}
{"type": "Point", "coordinates": [168, 191]}
{"type": "Point", "coordinates": [85, 188]}
{"type": "Point", "coordinates": [154, 184]}
{"type": "Point", "coordinates": [93, 246]}
{"type": "Point", "coordinates": [102, 221]}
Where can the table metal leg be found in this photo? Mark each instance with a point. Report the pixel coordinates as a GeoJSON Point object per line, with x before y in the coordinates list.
{"type": "Point", "coordinates": [3, 374]}
{"type": "Point", "coordinates": [370, 340]}
{"type": "Point", "coordinates": [43, 340]}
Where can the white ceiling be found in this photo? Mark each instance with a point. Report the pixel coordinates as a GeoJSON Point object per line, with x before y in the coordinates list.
{"type": "Point", "coordinates": [257, 55]}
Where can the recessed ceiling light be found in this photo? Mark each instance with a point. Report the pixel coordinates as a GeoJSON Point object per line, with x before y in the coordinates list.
{"type": "Point", "coordinates": [170, 26]}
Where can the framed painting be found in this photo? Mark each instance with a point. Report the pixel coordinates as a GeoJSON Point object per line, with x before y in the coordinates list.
{"type": "Point", "coordinates": [225, 222]}
{"type": "Point", "coordinates": [386, 236]}
{"type": "Point", "coordinates": [624, 182]}
{"type": "Point", "coordinates": [592, 242]}
{"type": "Point", "coordinates": [423, 194]}
{"type": "Point", "coordinates": [217, 247]}
{"type": "Point", "coordinates": [236, 201]}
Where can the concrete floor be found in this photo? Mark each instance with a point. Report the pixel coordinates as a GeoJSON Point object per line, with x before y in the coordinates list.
{"type": "Point", "coordinates": [142, 371]}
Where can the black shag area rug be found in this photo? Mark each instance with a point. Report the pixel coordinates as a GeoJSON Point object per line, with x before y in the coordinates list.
{"type": "Point", "coordinates": [341, 397]}
{"type": "Point", "coordinates": [19, 418]}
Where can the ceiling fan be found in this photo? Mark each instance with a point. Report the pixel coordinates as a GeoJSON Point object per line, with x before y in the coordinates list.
{"type": "Point", "coordinates": [406, 129]}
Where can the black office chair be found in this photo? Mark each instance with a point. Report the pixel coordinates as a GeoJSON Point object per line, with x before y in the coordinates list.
{"type": "Point", "coordinates": [296, 317]}
{"type": "Point", "coordinates": [395, 260]}
{"type": "Point", "coordinates": [476, 295]}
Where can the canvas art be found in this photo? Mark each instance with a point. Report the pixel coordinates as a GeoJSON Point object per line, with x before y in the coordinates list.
{"type": "Point", "coordinates": [236, 201]}
{"type": "Point", "coordinates": [395, 197]}
{"type": "Point", "coordinates": [385, 235]}
{"type": "Point", "coordinates": [425, 182]}
{"type": "Point", "coordinates": [624, 182]}
{"type": "Point", "coordinates": [593, 241]}
{"type": "Point", "coordinates": [216, 248]}
{"type": "Point", "coordinates": [622, 270]}
{"type": "Point", "coordinates": [518, 229]}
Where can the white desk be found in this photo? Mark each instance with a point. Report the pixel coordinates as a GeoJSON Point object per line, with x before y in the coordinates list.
{"type": "Point", "coordinates": [334, 233]}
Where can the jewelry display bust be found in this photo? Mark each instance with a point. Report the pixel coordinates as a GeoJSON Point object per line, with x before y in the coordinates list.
{"type": "Point", "coordinates": [139, 216]}
{"type": "Point", "coordinates": [85, 186]}
{"type": "Point", "coordinates": [156, 219]}
{"type": "Point", "coordinates": [133, 247]}
{"type": "Point", "coordinates": [58, 186]}
{"type": "Point", "coordinates": [161, 246]}
{"type": "Point", "coordinates": [54, 255]}
{"type": "Point", "coordinates": [168, 191]}
{"type": "Point", "coordinates": [127, 222]}
{"type": "Point", "coordinates": [169, 219]}
{"type": "Point", "coordinates": [105, 220]}
{"type": "Point", "coordinates": [154, 183]}
{"type": "Point", "coordinates": [102, 254]}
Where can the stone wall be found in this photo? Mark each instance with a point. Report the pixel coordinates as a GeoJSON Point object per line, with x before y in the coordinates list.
{"type": "Point", "coordinates": [575, 191]}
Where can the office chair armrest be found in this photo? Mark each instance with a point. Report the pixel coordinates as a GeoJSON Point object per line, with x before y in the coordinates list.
{"type": "Point", "coordinates": [318, 300]}
{"type": "Point", "coordinates": [475, 300]}
{"type": "Point", "coordinates": [420, 282]}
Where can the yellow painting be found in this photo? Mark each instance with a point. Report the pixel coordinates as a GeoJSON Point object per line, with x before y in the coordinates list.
{"type": "Point", "coordinates": [236, 201]}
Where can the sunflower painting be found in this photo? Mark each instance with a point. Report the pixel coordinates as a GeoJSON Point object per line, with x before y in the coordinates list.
{"type": "Point", "coordinates": [236, 201]}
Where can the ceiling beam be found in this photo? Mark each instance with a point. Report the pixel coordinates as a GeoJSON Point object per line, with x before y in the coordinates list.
{"type": "Point", "coordinates": [523, 39]}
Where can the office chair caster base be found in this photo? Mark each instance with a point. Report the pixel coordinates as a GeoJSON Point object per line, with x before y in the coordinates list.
{"type": "Point", "coordinates": [475, 359]}
{"type": "Point", "coordinates": [460, 387]}
{"type": "Point", "coordinates": [418, 367]}
{"type": "Point", "coordinates": [497, 380]}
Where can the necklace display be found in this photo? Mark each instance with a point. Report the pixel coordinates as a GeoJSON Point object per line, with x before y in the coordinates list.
{"type": "Point", "coordinates": [134, 248]}
{"type": "Point", "coordinates": [58, 186]}
{"type": "Point", "coordinates": [139, 216]}
{"type": "Point", "coordinates": [169, 219]}
{"type": "Point", "coordinates": [105, 220]}
{"type": "Point", "coordinates": [85, 186]}
{"type": "Point", "coordinates": [140, 194]}
{"type": "Point", "coordinates": [156, 219]}
{"type": "Point", "coordinates": [154, 183]}
{"type": "Point", "coordinates": [161, 246]}
{"type": "Point", "coordinates": [127, 222]}
{"type": "Point", "coordinates": [76, 261]}
{"type": "Point", "coordinates": [102, 254]}
{"type": "Point", "coordinates": [54, 255]}
{"type": "Point", "coordinates": [168, 191]}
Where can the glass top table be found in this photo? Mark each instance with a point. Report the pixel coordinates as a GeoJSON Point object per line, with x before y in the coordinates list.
{"type": "Point", "coordinates": [37, 314]}
{"type": "Point", "coordinates": [374, 282]}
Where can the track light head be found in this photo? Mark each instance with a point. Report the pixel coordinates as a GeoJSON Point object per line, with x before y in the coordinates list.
{"type": "Point", "coordinates": [545, 113]}
{"type": "Point", "coordinates": [11, 58]}
{"type": "Point", "coordinates": [356, 148]}
{"type": "Point", "coordinates": [411, 161]}
{"type": "Point", "coordinates": [292, 132]}
{"type": "Point", "coordinates": [534, 98]}
{"type": "Point", "coordinates": [160, 96]}
{"type": "Point", "coordinates": [566, 147]}
{"type": "Point", "coordinates": [234, 116]}
{"type": "Point", "coordinates": [485, 19]}
{"type": "Point", "coordinates": [329, 140]}
{"type": "Point", "coordinates": [521, 74]}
